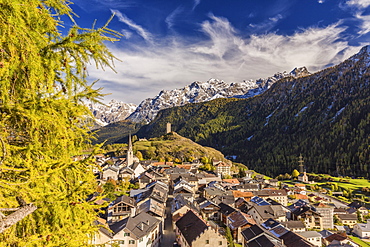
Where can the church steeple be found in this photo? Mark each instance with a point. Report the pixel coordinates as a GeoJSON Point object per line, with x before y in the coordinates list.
{"type": "Point", "coordinates": [130, 153]}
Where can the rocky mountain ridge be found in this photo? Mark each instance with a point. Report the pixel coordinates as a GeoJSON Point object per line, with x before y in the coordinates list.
{"type": "Point", "coordinates": [112, 112]}
{"type": "Point", "coordinates": [196, 92]}
{"type": "Point", "coordinates": [206, 91]}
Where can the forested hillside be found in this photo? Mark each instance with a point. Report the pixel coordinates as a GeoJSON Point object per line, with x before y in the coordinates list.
{"type": "Point", "coordinates": [325, 117]}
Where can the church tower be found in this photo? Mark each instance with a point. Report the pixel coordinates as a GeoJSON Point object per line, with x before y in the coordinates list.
{"type": "Point", "coordinates": [130, 153]}
{"type": "Point", "coordinates": [301, 170]}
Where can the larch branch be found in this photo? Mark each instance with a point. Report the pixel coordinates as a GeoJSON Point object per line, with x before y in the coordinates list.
{"type": "Point", "coordinates": [18, 215]}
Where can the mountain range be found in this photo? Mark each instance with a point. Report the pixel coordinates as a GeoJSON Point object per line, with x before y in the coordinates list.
{"type": "Point", "coordinates": [324, 116]}
{"type": "Point", "coordinates": [196, 92]}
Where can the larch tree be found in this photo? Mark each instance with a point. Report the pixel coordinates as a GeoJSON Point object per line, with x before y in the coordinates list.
{"type": "Point", "coordinates": [43, 88]}
{"type": "Point", "coordinates": [295, 173]}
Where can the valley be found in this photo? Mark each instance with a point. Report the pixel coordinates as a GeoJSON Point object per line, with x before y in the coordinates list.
{"type": "Point", "coordinates": [324, 116]}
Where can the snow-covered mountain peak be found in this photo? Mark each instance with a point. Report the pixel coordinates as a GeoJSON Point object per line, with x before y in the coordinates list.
{"type": "Point", "coordinates": [112, 112]}
{"type": "Point", "coordinates": [299, 72]}
{"type": "Point", "coordinates": [205, 91]}
{"type": "Point", "coordinates": [365, 50]}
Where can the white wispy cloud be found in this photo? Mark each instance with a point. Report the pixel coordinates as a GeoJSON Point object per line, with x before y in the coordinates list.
{"type": "Point", "coordinates": [174, 62]}
{"type": "Point", "coordinates": [360, 6]}
{"type": "Point", "coordinates": [266, 25]}
{"type": "Point", "coordinates": [139, 29]}
{"type": "Point", "coordinates": [170, 19]}
{"type": "Point", "coordinates": [196, 3]}
{"type": "Point", "coordinates": [359, 3]}
{"type": "Point", "coordinates": [365, 23]}
{"type": "Point", "coordinates": [126, 33]}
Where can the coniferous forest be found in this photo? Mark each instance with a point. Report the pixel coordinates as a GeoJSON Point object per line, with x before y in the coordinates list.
{"type": "Point", "coordinates": [325, 117]}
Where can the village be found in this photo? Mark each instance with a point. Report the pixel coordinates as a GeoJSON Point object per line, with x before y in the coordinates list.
{"type": "Point", "coordinates": [184, 206]}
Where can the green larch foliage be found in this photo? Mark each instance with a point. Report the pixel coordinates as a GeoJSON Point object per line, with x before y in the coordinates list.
{"type": "Point", "coordinates": [295, 173]}
{"type": "Point", "coordinates": [42, 119]}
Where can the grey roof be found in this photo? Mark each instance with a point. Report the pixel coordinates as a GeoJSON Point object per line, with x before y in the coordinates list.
{"type": "Point", "coordinates": [300, 207]}
{"type": "Point", "coordinates": [126, 170]}
{"type": "Point", "coordinates": [213, 191]}
{"type": "Point", "coordinates": [155, 190]}
{"type": "Point", "coordinates": [351, 210]}
{"type": "Point", "coordinates": [176, 171]}
{"type": "Point", "coordinates": [191, 226]}
{"type": "Point", "coordinates": [310, 234]}
{"type": "Point", "coordinates": [270, 193]}
{"type": "Point", "coordinates": [103, 229]}
{"type": "Point", "coordinates": [240, 219]}
{"type": "Point", "coordinates": [134, 193]}
{"type": "Point", "coordinates": [355, 205]}
{"type": "Point", "coordinates": [113, 168]}
{"type": "Point", "coordinates": [227, 198]}
{"type": "Point", "coordinates": [291, 239]}
{"type": "Point", "coordinates": [139, 225]}
{"type": "Point", "coordinates": [181, 189]}
{"type": "Point", "coordinates": [364, 226]}
{"type": "Point", "coordinates": [270, 211]}
{"type": "Point", "coordinates": [325, 233]}
{"type": "Point", "coordinates": [249, 186]}
{"type": "Point", "coordinates": [261, 241]}
{"type": "Point", "coordinates": [119, 225]}
{"type": "Point", "coordinates": [251, 232]}
{"type": "Point", "coordinates": [226, 209]}
{"type": "Point", "coordinates": [180, 201]}
{"type": "Point", "coordinates": [279, 231]}
{"type": "Point", "coordinates": [294, 224]}
{"type": "Point", "coordinates": [125, 199]}
{"type": "Point", "coordinates": [207, 203]}
{"type": "Point", "coordinates": [340, 211]}
{"type": "Point", "coordinates": [135, 165]}
{"type": "Point", "coordinates": [152, 206]}
{"type": "Point", "coordinates": [347, 216]}
{"type": "Point", "coordinates": [256, 236]}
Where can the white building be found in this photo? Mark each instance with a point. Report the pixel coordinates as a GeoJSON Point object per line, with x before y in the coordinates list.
{"type": "Point", "coordinates": [362, 229]}
{"type": "Point", "coordinates": [313, 237]}
{"type": "Point", "coordinates": [142, 230]}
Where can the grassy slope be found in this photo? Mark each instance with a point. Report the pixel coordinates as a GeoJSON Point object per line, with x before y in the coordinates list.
{"type": "Point", "coordinates": [176, 146]}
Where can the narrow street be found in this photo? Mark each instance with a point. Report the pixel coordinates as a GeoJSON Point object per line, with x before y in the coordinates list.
{"type": "Point", "coordinates": [168, 234]}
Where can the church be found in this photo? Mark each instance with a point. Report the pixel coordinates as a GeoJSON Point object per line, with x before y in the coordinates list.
{"type": "Point", "coordinates": [302, 171]}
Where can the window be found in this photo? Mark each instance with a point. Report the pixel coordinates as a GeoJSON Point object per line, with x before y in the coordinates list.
{"type": "Point", "coordinates": [131, 241]}
{"type": "Point", "coordinates": [207, 241]}
{"type": "Point", "coordinates": [121, 242]}
{"type": "Point", "coordinates": [219, 242]}
{"type": "Point", "coordinates": [127, 234]}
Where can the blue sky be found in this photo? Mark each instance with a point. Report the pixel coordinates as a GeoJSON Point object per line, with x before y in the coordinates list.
{"type": "Point", "coordinates": [168, 44]}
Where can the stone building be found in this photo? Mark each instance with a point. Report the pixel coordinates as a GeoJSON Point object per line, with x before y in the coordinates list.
{"type": "Point", "coordinates": [192, 230]}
